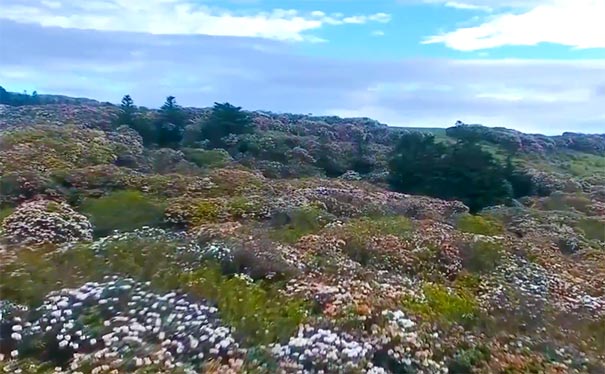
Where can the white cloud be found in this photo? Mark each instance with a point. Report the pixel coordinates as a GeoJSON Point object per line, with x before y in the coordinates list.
{"type": "Point", "coordinates": [377, 33]}
{"type": "Point", "coordinates": [574, 23]}
{"type": "Point", "coordinates": [467, 6]}
{"type": "Point", "coordinates": [177, 17]}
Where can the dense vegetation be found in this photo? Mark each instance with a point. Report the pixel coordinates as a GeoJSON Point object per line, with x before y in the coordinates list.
{"type": "Point", "coordinates": [217, 240]}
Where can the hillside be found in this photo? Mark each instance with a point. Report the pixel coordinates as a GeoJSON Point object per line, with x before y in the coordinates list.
{"type": "Point", "coordinates": [186, 240]}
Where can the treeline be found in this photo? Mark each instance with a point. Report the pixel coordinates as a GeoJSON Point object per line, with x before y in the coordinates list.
{"type": "Point", "coordinates": [172, 128]}
{"type": "Point", "coordinates": [462, 171]}
{"type": "Point", "coordinates": [418, 164]}
{"type": "Point", "coordinates": [18, 99]}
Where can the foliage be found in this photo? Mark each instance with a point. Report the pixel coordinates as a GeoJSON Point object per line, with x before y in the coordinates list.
{"type": "Point", "coordinates": [44, 148]}
{"type": "Point", "coordinates": [36, 272]}
{"type": "Point", "coordinates": [566, 202]}
{"type": "Point", "coordinates": [127, 111]}
{"type": "Point", "coordinates": [45, 221]}
{"type": "Point", "coordinates": [122, 211]}
{"type": "Point", "coordinates": [291, 225]}
{"type": "Point", "coordinates": [259, 315]}
{"type": "Point", "coordinates": [482, 225]}
{"type": "Point", "coordinates": [225, 119]}
{"type": "Point", "coordinates": [592, 228]}
{"type": "Point", "coordinates": [463, 171]}
{"type": "Point", "coordinates": [466, 359]}
{"type": "Point", "coordinates": [358, 232]}
{"type": "Point", "coordinates": [5, 212]}
{"type": "Point", "coordinates": [213, 158]}
{"type": "Point", "coordinates": [442, 304]}
{"type": "Point", "coordinates": [187, 212]}
{"type": "Point", "coordinates": [171, 124]}
{"type": "Point", "coordinates": [481, 256]}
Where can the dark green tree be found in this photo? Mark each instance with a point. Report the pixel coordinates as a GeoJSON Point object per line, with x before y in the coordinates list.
{"type": "Point", "coordinates": [225, 119]}
{"type": "Point", "coordinates": [4, 96]}
{"type": "Point", "coordinates": [171, 124]}
{"type": "Point", "coordinates": [127, 112]}
{"type": "Point", "coordinates": [417, 164]}
{"type": "Point", "coordinates": [463, 171]}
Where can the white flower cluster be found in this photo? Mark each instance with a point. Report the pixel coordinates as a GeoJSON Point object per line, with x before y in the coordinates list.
{"type": "Point", "coordinates": [44, 221]}
{"type": "Point", "coordinates": [316, 350]}
{"type": "Point", "coordinates": [406, 350]}
{"type": "Point", "coordinates": [121, 324]}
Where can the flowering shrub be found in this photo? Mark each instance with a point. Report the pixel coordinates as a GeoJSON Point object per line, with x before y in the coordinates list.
{"type": "Point", "coordinates": [120, 320]}
{"type": "Point", "coordinates": [44, 221]}
{"type": "Point", "coordinates": [45, 148]}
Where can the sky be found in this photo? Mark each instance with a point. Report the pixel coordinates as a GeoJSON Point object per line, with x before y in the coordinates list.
{"type": "Point", "coordinates": [533, 65]}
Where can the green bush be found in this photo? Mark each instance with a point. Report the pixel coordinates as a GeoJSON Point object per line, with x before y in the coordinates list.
{"type": "Point", "coordinates": [122, 211]}
{"type": "Point", "coordinates": [259, 315]}
{"type": "Point", "coordinates": [593, 229]}
{"type": "Point", "coordinates": [214, 158]}
{"type": "Point", "coordinates": [5, 212]}
{"type": "Point", "coordinates": [481, 256]}
{"type": "Point", "coordinates": [359, 231]}
{"type": "Point", "coordinates": [479, 225]}
{"type": "Point", "coordinates": [465, 360]}
{"type": "Point", "coordinates": [289, 226]}
{"type": "Point", "coordinates": [442, 304]}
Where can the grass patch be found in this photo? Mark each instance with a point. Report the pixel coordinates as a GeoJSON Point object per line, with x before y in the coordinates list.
{"type": "Point", "coordinates": [122, 211]}
{"type": "Point", "coordinates": [209, 159]}
{"type": "Point", "coordinates": [292, 225]}
{"type": "Point", "coordinates": [481, 256]}
{"type": "Point", "coordinates": [444, 305]}
{"type": "Point", "coordinates": [5, 212]}
{"type": "Point", "coordinates": [560, 201]}
{"type": "Point", "coordinates": [592, 228]}
{"type": "Point", "coordinates": [358, 232]}
{"type": "Point", "coordinates": [480, 225]}
{"type": "Point", "coordinates": [260, 315]}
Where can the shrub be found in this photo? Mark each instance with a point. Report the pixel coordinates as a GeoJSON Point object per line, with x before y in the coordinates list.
{"type": "Point", "coordinates": [122, 211]}
{"type": "Point", "coordinates": [566, 202]}
{"type": "Point", "coordinates": [189, 212]}
{"type": "Point", "coordinates": [5, 212]}
{"type": "Point", "coordinates": [593, 229]}
{"type": "Point", "coordinates": [259, 315]}
{"type": "Point", "coordinates": [481, 256]}
{"type": "Point", "coordinates": [44, 148]}
{"type": "Point", "coordinates": [445, 305]}
{"type": "Point", "coordinates": [465, 360]}
{"type": "Point", "coordinates": [44, 221]}
{"type": "Point", "coordinates": [246, 207]}
{"type": "Point", "coordinates": [479, 225]}
{"type": "Point", "coordinates": [214, 158]}
{"type": "Point", "coordinates": [294, 224]}
{"type": "Point", "coordinates": [358, 232]}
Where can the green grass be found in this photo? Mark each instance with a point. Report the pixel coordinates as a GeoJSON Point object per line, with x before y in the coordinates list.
{"type": "Point", "coordinates": [444, 305]}
{"type": "Point", "coordinates": [481, 256]}
{"type": "Point", "coordinates": [123, 211]}
{"type": "Point", "coordinates": [293, 225]}
{"type": "Point", "coordinates": [479, 225]}
{"type": "Point", "coordinates": [592, 228]}
{"type": "Point", "coordinates": [5, 212]}
{"type": "Point", "coordinates": [214, 158]}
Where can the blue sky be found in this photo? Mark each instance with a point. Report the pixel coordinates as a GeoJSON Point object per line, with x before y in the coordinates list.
{"type": "Point", "coordinates": [532, 65]}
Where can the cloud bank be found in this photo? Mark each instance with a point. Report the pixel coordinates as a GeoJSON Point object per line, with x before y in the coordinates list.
{"type": "Point", "coordinates": [573, 23]}
{"type": "Point", "coordinates": [183, 17]}
{"type": "Point", "coordinates": [535, 96]}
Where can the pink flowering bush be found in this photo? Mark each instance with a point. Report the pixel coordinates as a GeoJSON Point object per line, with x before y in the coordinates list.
{"type": "Point", "coordinates": [44, 221]}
